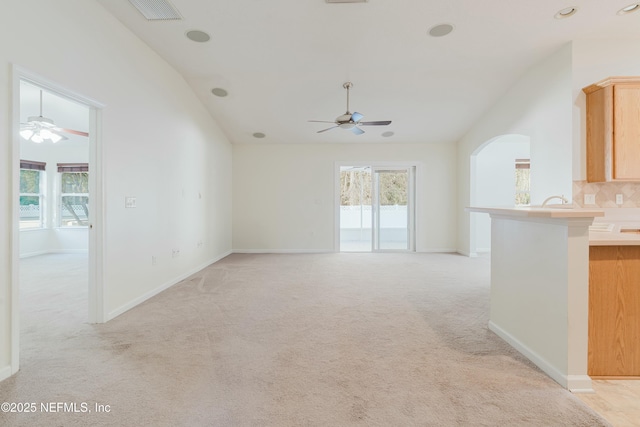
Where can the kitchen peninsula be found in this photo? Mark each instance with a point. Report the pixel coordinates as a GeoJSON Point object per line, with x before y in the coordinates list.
{"type": "Point", "coordinates": [540, 287]}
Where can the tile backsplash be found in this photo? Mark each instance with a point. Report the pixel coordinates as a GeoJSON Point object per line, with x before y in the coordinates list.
{"type": "Point", "coordinates": [605, 193]}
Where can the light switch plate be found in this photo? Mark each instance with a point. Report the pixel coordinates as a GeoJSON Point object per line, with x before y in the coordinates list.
{"type": "Point", "coordinates": [129, 202]}
{"type": "Point", "coordinates": [619, 199]}
{"type": "Point", "coordinates": [589, 199]}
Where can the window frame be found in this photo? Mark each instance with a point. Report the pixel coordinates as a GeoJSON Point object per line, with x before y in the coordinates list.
{"type": "Point", "coordinates": [74, 168]}
{"type": "Point", "coordinates": [40, 167]}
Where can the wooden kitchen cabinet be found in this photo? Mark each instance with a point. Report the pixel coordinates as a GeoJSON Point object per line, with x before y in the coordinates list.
{"type": "Point", "coordinates": [613, 130]}
{"type": "Point", "coordinates": [614, 311]}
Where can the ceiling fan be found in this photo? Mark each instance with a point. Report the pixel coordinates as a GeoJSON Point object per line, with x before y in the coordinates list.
{"type": "Point", "coordinates": [39, 129]}
{"type": "Point", "coordinates": [350, 121]}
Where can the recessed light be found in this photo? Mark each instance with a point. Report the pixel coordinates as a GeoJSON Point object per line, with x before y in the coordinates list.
{"type": "Point", "coordinates": [259, 135]}
{"type": "Point", "coordinates": [218, 91]}
{"type": "Point", "coordinates": [566, 12]}
{"type": "Point", "coordinates": [631, 8]}
{"type": "Point", "coordinates": [387, 134]}
{"type": "Point", "coordinates": [198, 36]}
{"type": "Point", "coordinates": [440, 30]}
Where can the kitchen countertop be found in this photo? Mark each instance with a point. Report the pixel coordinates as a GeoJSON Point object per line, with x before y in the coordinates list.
{"type": "Point", "coordinates": [618, 218]}
{"type": "Point", "coordinates": [536, 212]}
{"type": "Point", "coordinates": [613, 238]}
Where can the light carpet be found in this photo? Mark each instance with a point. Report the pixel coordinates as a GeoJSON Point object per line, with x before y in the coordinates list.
{"type": "Point", "coordinates": [286, 340]}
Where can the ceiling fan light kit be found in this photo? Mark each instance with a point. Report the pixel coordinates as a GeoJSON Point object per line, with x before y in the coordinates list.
{"type": "Point", "coordinates": [351, 121]}
{"type": "Point", "coordinates": [42, 136]}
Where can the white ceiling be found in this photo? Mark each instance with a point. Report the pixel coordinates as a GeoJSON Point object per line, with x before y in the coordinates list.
{"type": "Point", "coordinates": [283, 62]}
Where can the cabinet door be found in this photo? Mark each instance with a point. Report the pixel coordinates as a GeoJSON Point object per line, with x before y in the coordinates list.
{"type": "Point", "coordinates": [626, 128]}
{"type": "Point", "coordinates": [614, 311]}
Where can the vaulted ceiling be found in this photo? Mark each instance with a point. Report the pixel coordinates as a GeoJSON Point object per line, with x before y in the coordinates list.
{"type": "Point", "coordinates": [283, 62]}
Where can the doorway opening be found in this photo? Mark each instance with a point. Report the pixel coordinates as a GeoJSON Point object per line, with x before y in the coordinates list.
{"type": "Point", "coordinates": [376, 208]}
{"type": "Point", "coordinates": [56, 204]}
{"type": "Point", "coordinates": [53, 208]}
{"type": "Point", "coordinates": [500, 172]}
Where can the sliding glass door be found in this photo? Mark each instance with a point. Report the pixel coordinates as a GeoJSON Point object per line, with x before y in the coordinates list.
{"type": "Point", "coordinates": [376, 208]}
{"type": "Point", "coordinates": [392, 208]}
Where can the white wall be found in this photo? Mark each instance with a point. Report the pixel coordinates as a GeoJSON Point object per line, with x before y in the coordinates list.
{"type": "Point", "coordinates": [543, 312]}
{"type": "Point", "coordinates": [159, 144]}
{"type": "Point", "coordinates": [538, 106]}
{"type": "Point", "coordinates": [494, 180]}
{"type": "Point", "coordinates": [284, 194]}
{"type": "Point", "coordinates": [595, 60]}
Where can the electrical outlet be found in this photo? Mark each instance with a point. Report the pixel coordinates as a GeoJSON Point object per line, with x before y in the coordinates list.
{"type": "Point", "coordinates": [129, 202]}
{"type": "Point", "coordinates": [200, 243]}
{"type": "Point", "coordinates": [175, 253]}
{"type": "Point", "coordinates": [589, 199]}
{"type": "Point", "coordinates": [154, 260]}
{"type": "Point", "coordinates": [619, 199]}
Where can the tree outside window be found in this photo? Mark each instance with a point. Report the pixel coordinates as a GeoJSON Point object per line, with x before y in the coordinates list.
{"type": "Point", "coordinates": [74, 199]}
{"type": "Point", "coordinates": [31, 199]}
{"type": "Point", "coordinates": [523, 182]}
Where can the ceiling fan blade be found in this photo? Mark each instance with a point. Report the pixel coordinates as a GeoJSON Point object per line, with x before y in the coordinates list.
{"type": "Point", "coordinates": [324, 130]}
{"type": "Point", "coordinates": [356, 117]}
{"type": "Point", "coordinates": [356, 130]}
{"type": "Point", "coordinates": [58, 133]}
{"type": "Point", "coordinates": [72, 131]}
{"type": "Point", "coordinates": [320, 121]}
{"type": "Point", "coordinates": [378, 123]}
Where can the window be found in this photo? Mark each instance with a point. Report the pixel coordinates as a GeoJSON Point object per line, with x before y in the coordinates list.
{"type": "Point", "coordinates": [31, 197]}
{"type": "Point", "coordinates": [523, 182]}
{"type": "Point", "coordinates": [74, 194]}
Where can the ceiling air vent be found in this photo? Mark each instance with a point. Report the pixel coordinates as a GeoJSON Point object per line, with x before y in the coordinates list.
{"type": "Point", "coordinates": [346, 1]}
{"type": "Point", "coordinates": [157, 10]}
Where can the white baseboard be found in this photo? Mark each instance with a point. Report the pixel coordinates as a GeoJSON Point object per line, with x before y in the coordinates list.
{"type": "Point", "coordinates": [142, 298]}
{"type": "Point", "coordinates": [32, 254]}
{"type": "Point", "coordinates": [468, 254]}
{"type": "Point", "coordinates": [325, 251]}
{"type": "Point", "coordinates": [580, 384]}
{"type": "Point", "coordinates": [575, 383]}
{"type": "Point", "coordinates": [5, 373]}
{"type": "Point", "coordinates": [59, 251]}
{"type": "Point", "coordinates": [282, 251]}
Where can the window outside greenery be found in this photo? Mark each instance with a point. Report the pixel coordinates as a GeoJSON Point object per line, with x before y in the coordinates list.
{"type": "Point", "coordinates": [31, 205]}
{"type": "Point", "coordinates": [74, 199]}
{"type": "Point", "coordinates": [523, 182]}
{"type": "Point", "coordinates": [355, 186]}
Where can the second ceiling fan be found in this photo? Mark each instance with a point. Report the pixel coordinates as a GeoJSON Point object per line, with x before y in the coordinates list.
{"type": "Point", "coordinates": [39, 128]}
{"type": "Point", "coordinates": [350, 121]}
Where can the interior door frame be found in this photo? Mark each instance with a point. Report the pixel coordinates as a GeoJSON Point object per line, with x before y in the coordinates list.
{"type": "Point", "coordinates": [417, 174]}
{"type": "Point", "coordinates": [96, 297]}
